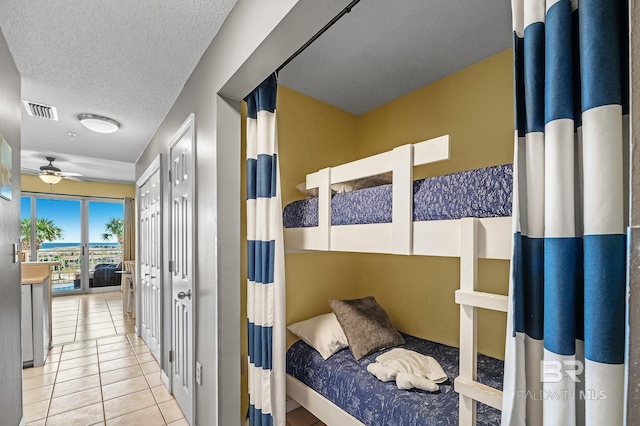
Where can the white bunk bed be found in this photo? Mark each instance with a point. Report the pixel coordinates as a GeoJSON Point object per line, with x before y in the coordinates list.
{"type": "Point", "coordinates": [469, 239]}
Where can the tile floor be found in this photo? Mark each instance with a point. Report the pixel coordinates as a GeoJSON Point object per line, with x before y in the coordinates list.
{"type": "Point", "coordinates": [100, 373]}
{"type": "Point", "coordinates": [88, 316]}
{"type": "Point", "coordinates": [110, 380]}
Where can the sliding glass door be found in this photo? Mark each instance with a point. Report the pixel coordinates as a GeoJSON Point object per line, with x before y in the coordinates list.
{"type": "Point", "coordinates": [79, 234]}
{"type": "Point", "coordinates": [106, 232]}
{"type": "Point", "coordinates": [59, 239]}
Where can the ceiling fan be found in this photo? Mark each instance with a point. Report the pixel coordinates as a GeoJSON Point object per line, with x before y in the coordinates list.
{"type": "Point", "coordinates": [51, 174]}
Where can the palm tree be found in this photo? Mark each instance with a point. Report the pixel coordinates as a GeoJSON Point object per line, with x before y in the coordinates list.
{"type": "Point", "coordinates": [46, 230]}
{"type": "Point", "coordinates": [114, 228]}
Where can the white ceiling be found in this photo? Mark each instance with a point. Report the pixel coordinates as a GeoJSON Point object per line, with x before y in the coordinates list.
{"type": "Point", "coordinates": [128, 60]}
{"type": "Point", "coordinates": [384, 49]}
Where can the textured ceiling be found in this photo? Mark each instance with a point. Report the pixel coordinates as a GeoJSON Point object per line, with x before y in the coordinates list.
{"type": "Point", "coordinates": [124, 59]}
{"type": "Point", "coordinates": [128, 60]}
{"type": "Point", "coordinates": [385, 49]}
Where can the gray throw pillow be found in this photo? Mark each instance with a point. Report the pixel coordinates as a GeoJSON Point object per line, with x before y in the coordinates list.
{"type": "Point", "coordinates": [366, 325]}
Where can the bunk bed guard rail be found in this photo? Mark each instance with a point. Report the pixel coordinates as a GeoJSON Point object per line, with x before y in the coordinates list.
{"type": "Point", "coordinates": [393, 238]}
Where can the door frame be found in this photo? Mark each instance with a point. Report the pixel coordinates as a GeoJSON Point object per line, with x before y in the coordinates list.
{"type": "Point", "coordinates": [188, 126]}
{"type": "Point", "coordinates": [155, 166]}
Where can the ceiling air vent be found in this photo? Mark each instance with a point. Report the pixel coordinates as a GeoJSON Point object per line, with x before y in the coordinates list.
{"type": "Point", "coordinates": [41, 110]}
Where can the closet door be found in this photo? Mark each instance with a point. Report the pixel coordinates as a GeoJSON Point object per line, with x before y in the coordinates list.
{"type": "Point", "coordinates": [182, 227]}
{"type": "Point", "coordinates": [150, 280]}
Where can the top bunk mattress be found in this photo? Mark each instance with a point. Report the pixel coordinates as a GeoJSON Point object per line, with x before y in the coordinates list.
{"type": "Point", "coordinates": [485, 192]}
{"type": "Point", "coordinates": [347, 383]}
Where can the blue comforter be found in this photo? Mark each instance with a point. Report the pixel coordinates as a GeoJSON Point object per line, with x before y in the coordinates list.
{"type": "Point", "coordinates": [473, 193]}
{"type": "Point", "coordinates": [346, 383]}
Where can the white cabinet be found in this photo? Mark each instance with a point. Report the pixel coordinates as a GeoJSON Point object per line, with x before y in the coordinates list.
{"type": "Point", "coordinates": [36, 322]}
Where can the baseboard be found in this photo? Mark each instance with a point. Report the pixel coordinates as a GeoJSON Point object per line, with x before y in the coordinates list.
{"type": "Point", "coordinates": [165, 380]}
{"type": "Point", "coordinates": [110, 289]}
{"type": "Point", "coordinates": [23, 421]}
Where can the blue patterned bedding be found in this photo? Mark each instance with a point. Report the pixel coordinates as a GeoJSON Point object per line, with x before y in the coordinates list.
{"type": "Point", "coordinates": [346, 383]}
{"type": "Point", "coordinates": [472, 193]}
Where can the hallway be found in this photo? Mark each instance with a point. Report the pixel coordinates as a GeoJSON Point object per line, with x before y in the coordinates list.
{"type": "Point", "coordinates": [98, 371]}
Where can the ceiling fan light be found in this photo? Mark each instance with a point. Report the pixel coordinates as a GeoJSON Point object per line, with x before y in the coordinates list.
{"type": "Point", "coordinates": [98, 123]}
{"type": "Point", "coordinates": [50, 178]}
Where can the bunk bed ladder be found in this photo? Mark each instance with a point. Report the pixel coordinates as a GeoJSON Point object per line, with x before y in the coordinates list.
{"type": "Point", "coordinates": [470, 300]}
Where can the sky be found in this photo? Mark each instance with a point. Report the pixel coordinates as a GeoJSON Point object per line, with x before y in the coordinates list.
{"type": "Point", "coordinates": [66, 215]}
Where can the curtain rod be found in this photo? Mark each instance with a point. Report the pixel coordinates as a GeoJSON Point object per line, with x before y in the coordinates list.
{"type": "Point", "coordinates": [319, 33]}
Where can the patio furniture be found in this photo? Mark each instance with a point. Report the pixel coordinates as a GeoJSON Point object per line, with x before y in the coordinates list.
{"type": "Point", "coordinates": [104, 275]}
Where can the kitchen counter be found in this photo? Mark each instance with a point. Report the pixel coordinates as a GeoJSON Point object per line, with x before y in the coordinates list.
{"type": "Point", "coordinates": [37, 278]}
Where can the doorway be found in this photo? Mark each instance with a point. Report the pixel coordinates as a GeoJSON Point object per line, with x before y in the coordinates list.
{"type": "Point", "coordinates": [82, 234]}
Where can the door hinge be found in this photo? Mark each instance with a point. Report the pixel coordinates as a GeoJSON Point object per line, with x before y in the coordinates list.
{"type": "Point", "coordinates": [170, 180]}
{"type": "Point", "coordinates": [170, 356]}
{"type": "Point", "coordinates": [171, 266]}
{"type": "Point", "coordinates": [16, 252]}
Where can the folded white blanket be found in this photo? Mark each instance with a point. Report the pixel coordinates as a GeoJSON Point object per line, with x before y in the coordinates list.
{"type": "Point", "coordinates": [409, 369]}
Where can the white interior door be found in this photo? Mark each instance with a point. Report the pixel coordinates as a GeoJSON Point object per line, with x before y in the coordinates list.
{"type": "Point", "coordinates": [181, 175]}
{"type": "Point", "coordinates": [149, 291]}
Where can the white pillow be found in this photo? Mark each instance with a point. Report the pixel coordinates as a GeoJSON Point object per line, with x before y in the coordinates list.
{"type": "Point", "coordinates": [302, 187]}
{"type": "Point", "coordinates": [323, 333]}
{"type": "Point", "coordinates": [371, 181]}
{"type": "Point", "coordinates": [336, 188]}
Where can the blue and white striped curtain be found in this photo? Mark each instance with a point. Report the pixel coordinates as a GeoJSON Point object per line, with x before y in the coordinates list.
{"type": "Point", "coordinates": [265, 251]}
{"type": "Point", "coordinates": [566, 332]}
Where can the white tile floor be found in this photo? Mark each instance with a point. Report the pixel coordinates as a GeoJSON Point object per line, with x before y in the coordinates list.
{"type": "Point", "coordinates": [89, 316]}
{"type": "Point", "coordinates": [110, 380]}
{"type": "Point", "coordinates": [98, 371]}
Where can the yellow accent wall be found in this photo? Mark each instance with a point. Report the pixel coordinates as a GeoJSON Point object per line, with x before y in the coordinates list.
{"type": "Point", "coordinates": [475, 107]}
{"type": "Point", "coordinates": [313, 135]}
{"type": "Point", "coordinates": [70, 187]}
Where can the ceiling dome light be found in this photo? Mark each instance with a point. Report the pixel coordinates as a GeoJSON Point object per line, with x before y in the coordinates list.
{"type": "Point", "coordinates": [50, 174]}
{"type": "Point", "coordinates": [50, 178]}
{"type": "Point", "coordinates": [98, 123]}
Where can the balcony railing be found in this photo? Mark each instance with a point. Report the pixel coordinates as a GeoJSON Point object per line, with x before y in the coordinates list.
{"type": "Point", "coordinates": [69, 268]}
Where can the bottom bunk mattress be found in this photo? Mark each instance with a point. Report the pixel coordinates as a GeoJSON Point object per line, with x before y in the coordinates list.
{"type": "Point", "coordinates": [347, 383]}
